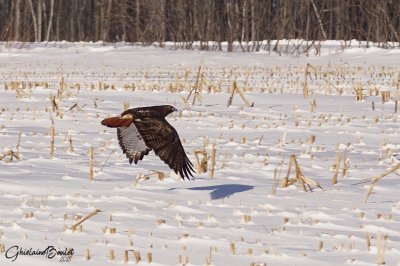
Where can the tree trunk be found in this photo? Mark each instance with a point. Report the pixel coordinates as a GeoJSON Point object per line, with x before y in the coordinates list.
{"type": "Point", "coordinates": [253, 22]}
{"type": "Point", "coordinates": [244, 22]}
{"type": "Point", "coordinates": [107, 22]}
{"type": "Point", "coordinates": [229, 29]}
{"type": "Point", "coordinates": [50, 20]}
{"type": "Point", "coordinates": [58, 19]}
{"type": "Point", "coordinates": [34, 20]}
{"type": "Point", "coordinates": [17, 20]}
{"type": "Point", "coordinates": [39, 21]}
{"type": "Point", "coordinates": [137, 21]}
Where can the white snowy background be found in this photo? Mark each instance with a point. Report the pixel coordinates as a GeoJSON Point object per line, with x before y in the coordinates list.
{"type": "Point", "coordinates": [242, 216]}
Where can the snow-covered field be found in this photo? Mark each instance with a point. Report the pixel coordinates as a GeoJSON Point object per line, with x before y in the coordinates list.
{"type": "Point", "coordinates": [241, 216]}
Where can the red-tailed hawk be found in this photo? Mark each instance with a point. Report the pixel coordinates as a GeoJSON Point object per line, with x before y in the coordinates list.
{"type": "Point", "coordinates": [143, 129]}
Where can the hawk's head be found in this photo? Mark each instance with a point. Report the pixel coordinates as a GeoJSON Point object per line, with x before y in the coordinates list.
{"type": "Point", "coordinates": [167, 109]}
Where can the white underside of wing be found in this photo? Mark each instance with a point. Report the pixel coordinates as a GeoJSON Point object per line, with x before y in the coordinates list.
{"type": "Point", "coordinates": [132, 142]}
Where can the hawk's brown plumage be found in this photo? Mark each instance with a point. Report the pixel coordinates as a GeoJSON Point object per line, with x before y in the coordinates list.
{"type": "Point", "coordinates": [143, 129]}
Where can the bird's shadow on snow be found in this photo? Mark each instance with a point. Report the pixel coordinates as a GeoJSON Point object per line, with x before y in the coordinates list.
{"type": "Point", "coordinates": [223, 191]}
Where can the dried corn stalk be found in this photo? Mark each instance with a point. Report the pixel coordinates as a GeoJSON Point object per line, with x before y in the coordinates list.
{"type": "Point", "coordinates": [300, 178]}
{"type": "Point", "coordinates": [93, 213]}
{"type": "Point", "coordinates": [201, 164]}
{"type": "Point", "coordinates": [141, 176]}
{"type": "Point", "coordinates": [358, 91]}
{"type": "Point", "coordinates": [236, 89]}
{"type": "Point", "coordinates": [12, 155]}
{"type": "Point", "coordinates": [197, 87]}
{"type": "Point", "coordinates": [376, 179]}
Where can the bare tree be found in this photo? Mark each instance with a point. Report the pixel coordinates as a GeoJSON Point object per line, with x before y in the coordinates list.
{"type": "Point", "coordinates": [50, 20]}
{"type": "Point", "coordinates": [34, 20]}
{"type": "Point", "coordinates": [17, 23]}
{"type": "Point", "coordinates": [39, 20]}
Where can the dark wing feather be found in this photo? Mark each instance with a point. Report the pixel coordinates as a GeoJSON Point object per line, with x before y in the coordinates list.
{"type": "Point", "coordinates": [132, 143]}
{"type": "Point", "coordinates": [161, 137]}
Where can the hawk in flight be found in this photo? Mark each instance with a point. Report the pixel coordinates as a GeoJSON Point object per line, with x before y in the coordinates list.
{"type": "Point", "coordinates": [143, 129]}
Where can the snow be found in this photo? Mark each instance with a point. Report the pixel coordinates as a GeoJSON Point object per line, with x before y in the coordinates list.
{"type": "Point", "coordinates": [239, 217]}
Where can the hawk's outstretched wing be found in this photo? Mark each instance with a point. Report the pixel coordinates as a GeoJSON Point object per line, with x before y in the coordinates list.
{"type": "Point", "coordinates": [161, 137]}
{"type": "Point", "coordinates": [132, 143]}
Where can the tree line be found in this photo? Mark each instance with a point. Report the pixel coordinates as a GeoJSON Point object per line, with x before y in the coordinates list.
{"type": "Point", "coordinates": [188, 21]}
